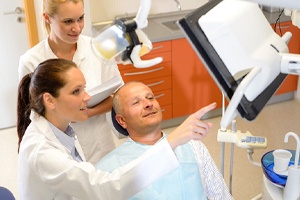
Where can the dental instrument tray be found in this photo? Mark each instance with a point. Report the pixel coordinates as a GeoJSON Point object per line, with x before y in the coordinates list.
{"type": "Point", "coordinates": [217, 68]}
{"type": "Point", "coordinates": [267, 162]}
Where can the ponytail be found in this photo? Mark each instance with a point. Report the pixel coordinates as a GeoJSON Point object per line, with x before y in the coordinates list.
{"type": "Point", "coordinates": [23, 107]}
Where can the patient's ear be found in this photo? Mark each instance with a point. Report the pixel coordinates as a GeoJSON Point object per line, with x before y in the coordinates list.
{"type": "Point", "coordinates": [121, 120]}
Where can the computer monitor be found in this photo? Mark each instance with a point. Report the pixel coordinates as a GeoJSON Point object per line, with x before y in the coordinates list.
{"type": "Point", "coordinates": [248, 109]}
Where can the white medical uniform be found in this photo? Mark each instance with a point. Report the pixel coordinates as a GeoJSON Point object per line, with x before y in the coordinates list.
{"type": "Point", "coordinates": [95, 134]}
{"type": "Point", "coordinates": [48, 171]}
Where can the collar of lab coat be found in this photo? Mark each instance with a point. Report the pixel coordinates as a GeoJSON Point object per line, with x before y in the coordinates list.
{"type": "Point", "coordinates": [44, 128]}
{"type": "Point", "coordinates": [79, 55]}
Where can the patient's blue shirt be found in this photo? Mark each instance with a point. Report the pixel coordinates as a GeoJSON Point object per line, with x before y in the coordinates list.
{"type": "Point", "coordinates": [182, 183]}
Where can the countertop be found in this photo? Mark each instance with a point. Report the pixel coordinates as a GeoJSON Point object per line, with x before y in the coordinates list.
{"type": "Point", "coordinates": [157, 32]}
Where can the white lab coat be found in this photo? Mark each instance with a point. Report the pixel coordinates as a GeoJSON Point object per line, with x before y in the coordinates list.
{"type": "Point", "coordinates": [48, 171]}
{"type": "Point", "coordinates": [95, 134]}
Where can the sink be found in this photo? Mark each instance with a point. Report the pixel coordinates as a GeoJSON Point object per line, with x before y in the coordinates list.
{"type": "Point", "coordinates": [171, 25]}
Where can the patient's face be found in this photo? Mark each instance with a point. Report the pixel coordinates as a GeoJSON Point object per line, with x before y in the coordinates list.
{"type": "Point", "coordinates": [141, 111]}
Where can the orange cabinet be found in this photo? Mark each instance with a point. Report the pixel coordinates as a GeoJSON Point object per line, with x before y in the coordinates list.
{"type": "Point", "coordinates": [193, 87]}
{"type": "Point", "coordinates": [290, 83]}
{"type": "Point", "coordinates": [157, 77]}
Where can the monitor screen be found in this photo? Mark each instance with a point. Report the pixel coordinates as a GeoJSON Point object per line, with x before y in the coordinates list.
{"type": "Point", "coordinates": [227, 83]}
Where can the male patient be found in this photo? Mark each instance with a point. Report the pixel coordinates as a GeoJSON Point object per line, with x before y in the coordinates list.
{"type": "Point", "coordinates": [139, 115]}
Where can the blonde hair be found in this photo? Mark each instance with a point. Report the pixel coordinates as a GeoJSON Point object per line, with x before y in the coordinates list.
{"type": "Point", "coordinates": [50, 8]}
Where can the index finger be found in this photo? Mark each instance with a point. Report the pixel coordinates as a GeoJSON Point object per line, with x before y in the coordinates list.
{"type": "Point", "coordinates": [199, 114]}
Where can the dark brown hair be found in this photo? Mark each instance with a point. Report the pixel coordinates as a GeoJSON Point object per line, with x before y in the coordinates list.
{"type": "Point", "coordinates": [48, 77]}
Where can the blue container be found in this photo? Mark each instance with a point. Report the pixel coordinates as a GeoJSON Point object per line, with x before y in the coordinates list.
{"type": "Point", "coordinates": [267, 162]}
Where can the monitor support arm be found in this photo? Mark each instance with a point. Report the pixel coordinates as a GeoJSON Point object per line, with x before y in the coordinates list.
{"type": "Point", "coordinates": [290, 64]}
{"type": "Point", "coordinates": [230, 112]}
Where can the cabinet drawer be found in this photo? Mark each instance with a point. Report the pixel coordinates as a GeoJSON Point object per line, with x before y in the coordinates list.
{"type": "Point", "coordinates": [159, 47]}
{"type": "Point", "coordinates": [166, 112]}
{"type": "Point", "coordinates": [157, 84]}
{"type": "Point", "coordinates": [136, 74]}
{"type": "Point", "coordinates": [163, 97]}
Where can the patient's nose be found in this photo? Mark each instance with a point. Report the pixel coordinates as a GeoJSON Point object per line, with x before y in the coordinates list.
{"type": "Point", "coordinates": [148, 103]}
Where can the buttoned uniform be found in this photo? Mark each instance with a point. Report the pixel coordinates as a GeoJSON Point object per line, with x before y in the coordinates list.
{"type": "Point", "coordinates": [47, 169]}
{"type": "Point", "coordinates": [197, 177]}
{"type": "Point", "coordinates": [95, 134]}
